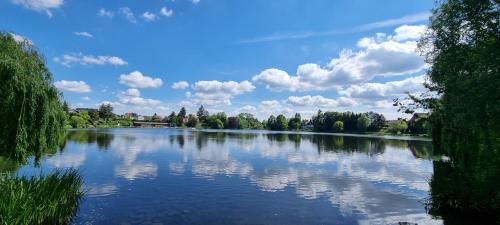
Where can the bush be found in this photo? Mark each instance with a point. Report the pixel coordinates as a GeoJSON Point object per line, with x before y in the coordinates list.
{"type": "Point", "coordinates": [338, 126]}
{"type": "Point", "coordinates": [397, 127]}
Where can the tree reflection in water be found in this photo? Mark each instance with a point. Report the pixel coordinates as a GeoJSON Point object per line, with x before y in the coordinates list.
{"type": "Point", "coordinates": [378, 178]}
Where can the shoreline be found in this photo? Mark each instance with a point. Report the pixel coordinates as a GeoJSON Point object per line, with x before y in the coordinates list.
{"type": "Point", "coordinates": [368, 135]}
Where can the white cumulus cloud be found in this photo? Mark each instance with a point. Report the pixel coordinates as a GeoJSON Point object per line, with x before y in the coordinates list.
{"type": "Point", "coordinates": [149, 17]}
{"type": "Point", "coordinates": [72, 86]}
{"type": "Point", "coordinates": [166, 11]}
{"type": "Point", "coordinates": [105, 13]}
{"type": "Point", "coordinates": [386, 90]}
{"type": "Point", "coordinates": [407, 32]}
{"type": "Point", "coordinates": [379, 56]}
{"type": "Point", "coordinates": [308, 100]}
{"type": "Point", "coordinates": [69, 59]}
{"type": "Point", "coordinates": [136, 79]}
{"type": "Point", "coordinates": [180, 85]}
{"type": "Point", "coordinates": [128, 14]}
{"type": "Point", "coordinates": [219, 93]}
{"type": "Point", "coordinates": [40, 5]}
{"type": "Point", "coordinates": [133, 97]}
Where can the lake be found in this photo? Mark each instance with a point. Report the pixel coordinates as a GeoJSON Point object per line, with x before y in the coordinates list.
{"type": "Point", "coordinates": [183, 176]}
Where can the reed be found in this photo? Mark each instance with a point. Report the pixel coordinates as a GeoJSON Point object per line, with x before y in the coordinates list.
{"type": "Point", "coordinates": [50, 199]}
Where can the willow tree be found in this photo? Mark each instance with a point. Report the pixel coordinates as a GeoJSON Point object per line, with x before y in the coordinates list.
{"type": "Point", "coordinates": [31, 113]}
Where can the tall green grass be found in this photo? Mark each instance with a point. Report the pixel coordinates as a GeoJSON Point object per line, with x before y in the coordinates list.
{"type": "Point", "coordinates": [50, 199]}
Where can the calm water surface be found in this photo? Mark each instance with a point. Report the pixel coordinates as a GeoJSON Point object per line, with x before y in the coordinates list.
{"type": "Point", "coordinates": [176, 176]}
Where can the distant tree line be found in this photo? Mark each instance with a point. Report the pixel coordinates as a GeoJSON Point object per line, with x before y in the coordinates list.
{"type": "Point", "coordinates": [321, 122]}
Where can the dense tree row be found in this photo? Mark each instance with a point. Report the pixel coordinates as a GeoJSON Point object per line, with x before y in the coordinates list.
{"type": "Point", "coordinates": [321, 122]}
{"type": "Point", "coordinates": [348, 122]}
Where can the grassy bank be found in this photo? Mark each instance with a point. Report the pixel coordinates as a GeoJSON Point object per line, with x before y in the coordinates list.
{"type": "Point", "coordinates": [51, 199]}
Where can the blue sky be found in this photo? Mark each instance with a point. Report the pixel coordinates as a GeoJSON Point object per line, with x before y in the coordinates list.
{"type": "Point", "coordinates": [263, 57]}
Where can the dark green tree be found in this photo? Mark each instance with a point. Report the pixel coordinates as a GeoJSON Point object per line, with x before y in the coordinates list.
{"type": "Point", "coordinates": [271, 122]}
{"type": "Point", "coordinates": [462, 46]}
{"type": "Point", "coordinates": [156, 118]}
{"type": "Point", "coordinates": [106, 112]}
{"type": "Point", "coordinates": [65, 107]}
{"type": "Point", "coordinates": [281, 123]}
{"type": "Point", "coordinates": [192, 121]}
{"type": "Point", "coordinates": [172, 118]}
{"type": "Point", "coordinates": [94, 114]}
{"type": "Point", "coordinates": [202, 114]}
{"type": "Point", "coordinates": [363, 123]}
{"type": "Point", "coordinates": [222, 117]}
{"type": "Point", "coordinates": [182, 113]}
{"type": "Point", "coordinates": [295, 122]}
{"type": "Point", "coordinates": [233, 122]}
{"type": "Point", "coordinates": [377, 121]}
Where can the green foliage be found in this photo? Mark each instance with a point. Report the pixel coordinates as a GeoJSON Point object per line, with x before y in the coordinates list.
{"type": "Point", "coordinates": [94, 114]}
{"type": "Point", "coordinates": [65, 107]}
{"type": "Point", "coordinates": [77, 122]}
{"type": "Point", "coordinates": [363, 123]}
{"type": "Point", "coordinates": [106, 112]}
{"type": "Point", "coordinates": [352, 122]}
{"type": "Point", "coordinates": [418, 126]}
{"type": "Point", "coordinates": [271, 122]}
{"type": "Point", "coordinates": [216, 121]}
{"type": "Point", "coordinates": [397, 127]}
{"type": "Point", "coordinates": [248, 121]}
{"type": "Point", "coordinates": [52, 199]}
{"type": "Point", "coordinates": [182, 112]}
{"type": "Point", "coordinates": [222, 117]}
{"type": "Point", "coordinates": [192, 121]}
{"type": "Point", "coordinates": [463, 47]}
{"type": "Point", "coordinates": [338, 126]}
{"type": "Point", "coordinates": [202, 114]}
{"type": "Point", "coordinates": [377, 121]}
{"type": "Point", "coordinates": [281, 123]}
{"type": "Point", "coordinates": [233, 123]}
{"type": "Point", "coordinates": [295, 122]}
{"type": "Point", "coordinates": [32, 117]}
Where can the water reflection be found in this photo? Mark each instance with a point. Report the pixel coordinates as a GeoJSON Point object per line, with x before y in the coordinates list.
{"type": "Point", "coordinates": [357, 180]}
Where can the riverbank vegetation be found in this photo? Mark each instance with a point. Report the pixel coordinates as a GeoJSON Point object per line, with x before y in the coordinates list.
{"type": "Point", "coordinates": [95, 118]}
{"type": "Point", "coordinates": [462, 45]}
{"type": "Point", "coordinates": [337, 122]}
{"type": "Point", "coordinates": [32, 123]}
{"type": "Point", "coordinates": [51, 199]}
